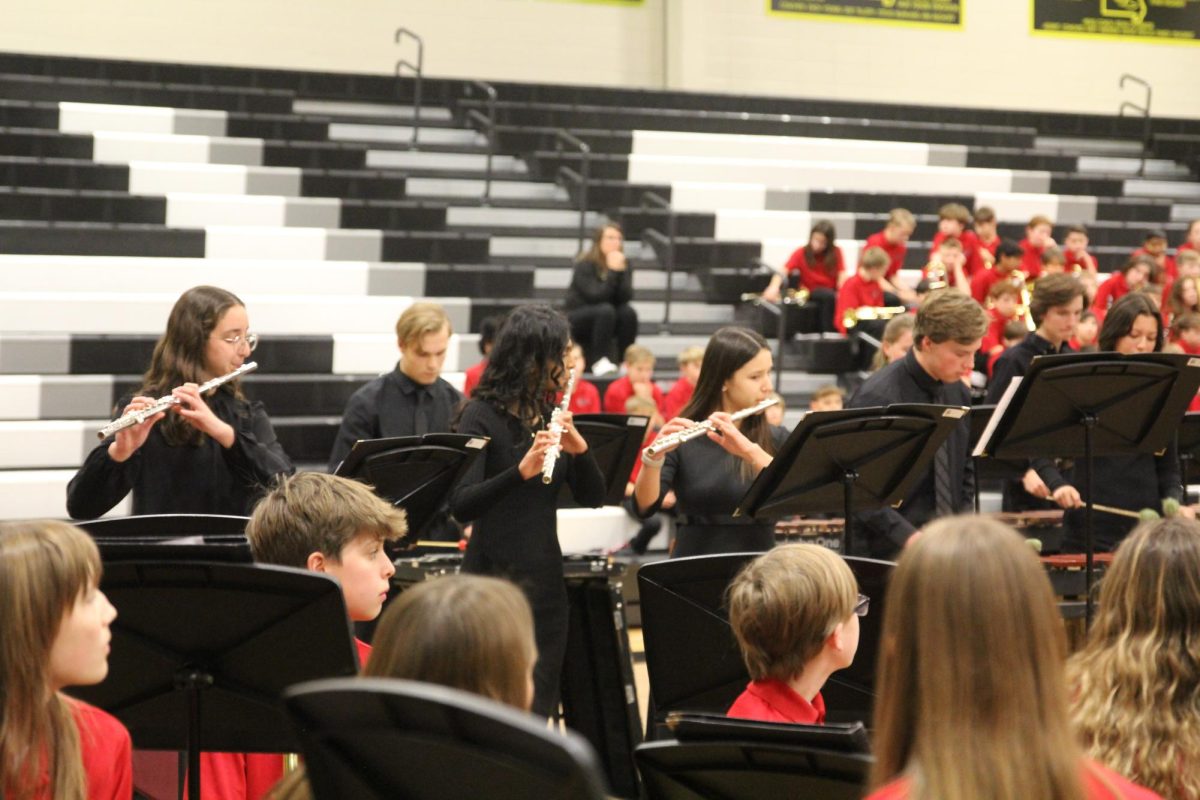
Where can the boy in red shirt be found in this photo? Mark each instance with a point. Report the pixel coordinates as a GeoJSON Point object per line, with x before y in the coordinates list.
{"type": "Point", "coordinates": [585, 399]}
{"type": "Point", "coordinates": [1132, 277]}
{"type": "Point", "coordinates": [1084, 340]}
{"type": "Point", "coordinates": [1003, 299]}
{"type": "Point", "coordinates": [946, 266]}
{"type": "Point", "coordinates": [1037, 238]}
{"type": "Point", "coordinates": [829, 397]}
{"type": "Point", "coordinates": [1054, 261]}
{"type": "Point", "coordinates": [1185, 334]}
{"type": "Point", "coordinates": [1008, 261]}
{"type": "Point", "coordinates": [985, 229]}
{"type": "Point", "coordinates": [1154, 246]}
{"type": "Point", "coordinates": [1075, 245]}
{"type": "Point", "coordinates": [639, 372]}
{"type": "Point", "coordinates": [689, 373]}
{"type": "Point", "coordinates": [953, 220]}
{"type": "Point", "coordinates": [794, 611]}
{"type": "Point", "coordinates": [653, 524]}
{"type": "Point", "coordinates": [863, 289]}
{"type": "Point", "coordinates": [1013, 334]}
{"type": "Point", "coordinates": [487, 336]}
{"type": "Point", "coordinates": [893, 240]}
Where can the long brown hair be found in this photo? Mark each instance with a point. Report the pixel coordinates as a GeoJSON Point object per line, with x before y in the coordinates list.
{"type": "Point", "coordinates": [178, 356]}
{"type": "Point", "coordinates": [1175, 304]}
{"type": "Point", "coordinates": [45, 567]}
{"type": "Point", "coordinates": [594, 254]}
{"type": "Point", "coordinates": [1136, 683]}
{"type": "Point", "coordinates": [971, 701]}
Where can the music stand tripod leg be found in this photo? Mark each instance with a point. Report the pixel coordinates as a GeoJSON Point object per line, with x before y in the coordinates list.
{"type": "Point", "coordinates": [848, 479]}
{"type": "Point", "coordinates": [1089, 544]}
{"type": "Point", "coordinates": [193, 681]}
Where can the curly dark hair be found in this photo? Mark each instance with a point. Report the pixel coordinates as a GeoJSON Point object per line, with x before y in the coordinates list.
{"type": "Point", "coordinates": [525, 364]}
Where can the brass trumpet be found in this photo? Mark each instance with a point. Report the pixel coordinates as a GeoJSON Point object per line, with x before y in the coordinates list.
{"type": "Point", "coordinates": [853, 316]}
{"type": "Point", "coordinates": [936, 275]}
{"type": "Point", "coordinates": [797, 296]}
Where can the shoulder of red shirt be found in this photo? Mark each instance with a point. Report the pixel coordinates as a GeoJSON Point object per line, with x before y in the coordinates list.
{"type": "Point", "coordinates": [106, 749]}
{"type": "Point", "coordinates": [774, 701]}
{"type": "Point", "coordinates": [364, 651]}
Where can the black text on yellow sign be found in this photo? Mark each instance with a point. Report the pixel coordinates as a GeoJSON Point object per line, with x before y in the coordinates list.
{"type": "Point", "coordinates": [942, 14]}
{"type": "Point", "coordinates": [1171, 21]}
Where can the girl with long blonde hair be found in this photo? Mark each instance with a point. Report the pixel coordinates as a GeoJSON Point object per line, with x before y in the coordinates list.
{"type": "Point", "coordinates": [1136, 683]}
{"type": "Point", "coordinates": [55, 624]}
{"type": "Point", "coordinates": [971, 697]}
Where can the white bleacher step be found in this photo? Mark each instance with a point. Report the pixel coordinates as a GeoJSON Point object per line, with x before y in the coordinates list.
{"type": "Point", "coordinates": [382, 111]}
{"type": "Point", "coordinates": [804, 382]}
{"type": "Point", "coordinates": [53, 397]}
{"type": "Point", "coordinates": [41, 494]}
{"type": "Point", "coordinates": [422, 159]}
{"type": "Point", "coordinates": [22, 273]}
{"type": "Point", "coordinates": [1022, 206]}
{"type": "Point", "coordinates": [403, 134]}
{"type": "Point", "coordinates": [122, 147]}
{"type": "Point", "coordinates": [484, 216]}
{"type": "Point", "coordinates": [125, 312]}
{"type": "Point", "coordinates": [1185, 212]}
{"type": "Point", "coordinates": [469, 187]}
{"type": "Point", "coordinates": [567, 248]}
{"type": "Point", "coordinates": [1117, 165]}
{"type": "Point", "coordinates": [667, 348]}
{"type": "Point", "coordinates": [1088, 146]}
{"type": "Point", "coordinates": [756, 225]}
{"type": "Point", "coordinates": [46, 444]}
{"type": "Point", "coordinates": [161, 178]}
{"type": "Point", "coordinates": [647, 279]}
{"type": "Point", "coordinates": [1183, 190]}
{"type": "Point", "coordinates": [93, 117]}
{"type": "Point", "coordinates": [198, 210]}
{"type": "Point", "coordinates": [683, 311]}
{"type": "Point", "coordinates": [734, 145]}
{"type": "Point", "coordinates": [234, 241]}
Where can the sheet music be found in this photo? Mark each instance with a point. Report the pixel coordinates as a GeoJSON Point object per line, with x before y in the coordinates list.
{"type": "Point", "coordinates": [981, 446]}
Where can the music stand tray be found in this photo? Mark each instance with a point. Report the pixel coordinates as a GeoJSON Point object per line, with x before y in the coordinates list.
{"type": "Point", "coordinates": [202, 652]}
{"type": "Point", "coordinates": [614, 441]}
{"type": "Point", "coordinates": [844, 737]}
{"type": "Point", "coordinates": [170, 525]}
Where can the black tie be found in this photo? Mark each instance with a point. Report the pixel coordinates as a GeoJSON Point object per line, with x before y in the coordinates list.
{"type": "Point", "coordinates": [421, 417]}
{"type": "Point", "coordinates": [943, 477]}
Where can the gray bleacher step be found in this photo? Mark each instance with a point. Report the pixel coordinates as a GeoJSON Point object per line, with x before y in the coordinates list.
{"type": "Point", "coordinates": [1137, 187]}
{"type": "Point", "coordinates": [668, 347]}
{"type": "Point", "coordinates": [805, 383]}
{"type": "Point", "coordinates": [643, 280]}
{"type": "Point", "coordinates": [470, 187]}
{"type": "Point", "coordinates": [652, 312]}
{"type": "Point", "coordinates": [381, 111]}
{"type": "Point", "coordinates": [1120, 165]}
{"type": "Point", "coordinates": [1185, 212]}
{"type": "Point", "coordinates": [423, 159]}
{"type": "Point", "coordinates": [509, 217]}
{"type": "Point", "coordinates": [1086, 146]}
{"type": "Point", "coordinates": [402, 134]}
{"type": "Point", "coordinates": [541, 247]}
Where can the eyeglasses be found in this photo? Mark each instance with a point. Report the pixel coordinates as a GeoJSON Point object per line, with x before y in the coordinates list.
{"type": "Point", "coordinates": [862, 606]}
{"type": "Point", "coordinates": [251, 340]}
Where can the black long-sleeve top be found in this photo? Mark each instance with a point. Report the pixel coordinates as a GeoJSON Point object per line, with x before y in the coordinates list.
{"type": "Point", "coordinates": [387, 407]}
{"type": "Point", "coordinates": [1128, 482]}
{"type": "Point", "coordinates": [588, 288]}
{"type": "Point", "coordinates": [906, 381]}
{"type": "Point", "coordinates": [184, 479]}
{"type": "Point", "coordinates": [515, 520]}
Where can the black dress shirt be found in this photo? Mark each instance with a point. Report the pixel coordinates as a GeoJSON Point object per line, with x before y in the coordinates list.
{"type": "Point", "coordinates": [589, 289]}
{"type": "Point", "coordinates": [906, 381]}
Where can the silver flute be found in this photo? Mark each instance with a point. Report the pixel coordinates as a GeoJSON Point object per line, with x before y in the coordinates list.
{"type": "Point", "coordinates": [556, 428]}
{"type": "Point", "coordinates": [163, 403]}
{"type": "Point", "coordinates": [701, 428]}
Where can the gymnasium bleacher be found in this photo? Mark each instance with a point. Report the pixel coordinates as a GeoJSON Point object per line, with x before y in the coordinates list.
{"type": "Point", "coordinates": [123, 183]}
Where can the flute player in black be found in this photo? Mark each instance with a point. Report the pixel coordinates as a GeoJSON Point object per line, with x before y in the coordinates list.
{"type": "Point", "coordinates": [515, 531]}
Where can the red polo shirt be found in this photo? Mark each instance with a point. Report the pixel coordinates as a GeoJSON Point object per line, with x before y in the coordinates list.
{"type": "Point", "coordinates": [621, 390]}
{"type": "Point", "coordinates": [1108, 293]}
{"type": "Point", "coordinates": [856, 292]}
{"type": "Point", "coordinates": [677, 398]}
{"type": "Point", "coordinates": [818, 274]}
{"type": "Point", "coordinates": [774, 701]}
{"type": "Point", "coordinates": [970, 244]}
{"type": "Point", "coordinates": [585, 399]}
{"type": "Point", "coordinates": [995, 331]}
{"type": "Point", "coordinates": [473, 374]}
{"type": "Point", "coordinates": [992, 245]}
{"type": "Point", "coordinates": [982, 282]}
{"type": "Point", "coordinates": [1031, 261]}
{"type": "Point", "coordinates": [1074, 263]}
{"type": "Point", "coordinates": [895, 252]}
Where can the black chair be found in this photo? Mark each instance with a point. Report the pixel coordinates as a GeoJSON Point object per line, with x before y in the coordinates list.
{"type": "Point", "coordinates": [377, 738]}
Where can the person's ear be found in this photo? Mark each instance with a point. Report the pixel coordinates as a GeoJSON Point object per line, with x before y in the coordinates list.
{"type": "Point", "coordinates": [835, 641]}
{"type": "Point", "coordinates": [317, 562]}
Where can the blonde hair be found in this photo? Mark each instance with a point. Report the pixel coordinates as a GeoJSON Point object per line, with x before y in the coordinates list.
{"type": "Point", "coordinates": [949, 315]}
{"type": "Point", "coordinates": [690, 355]}
{"type": "Point", "coordinates": [901, 218]}
{"type": "Point", "coordinates": [1136, 682]}
{"type": "Point", "coordinates": [640, 405]}
{"type": "Point", "coordinates": [314, 512]}
{"type": "Point", "coordinates": [875, 258]}
{"type": "Point", "coordinates": [956, 212]}
{"type": "Point", "coordinates": [895, 328]}
{"type": "Point", "coordinates": [971, 701]}
{"type": "Point", "coordinates": [45, 568]}
{"type": "Point", "coordinates": [1039, 219]}
{"type": "Point", "coordinates": [637, 354]}
{"type": "Point", "coordinates": [785, 603]}
{"type": "Point", "coordinates": [828, 390]}
{"type": "Point", "coordinates": [420, 319]}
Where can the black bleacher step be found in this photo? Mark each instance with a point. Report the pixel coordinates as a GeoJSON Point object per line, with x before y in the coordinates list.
{"type": "Point", "coordinates": [314, 155]}
{"type": "Point", "coordinates": [98, 239]}
{"type": "Point", "coordinates": [611, 195]}
{"type": "Point", "coordinates": [1181, 147]}
{"type": "Point", "coordinates": [62, 174]}
{"type": "Point", "coordinates": [42, 143]}
{"type": "Point", "coordinates": [306, 438]}
{"type": "Point", "coordinates": [76, 206]}
{"type": "Point", "coordinates": [91, 354]}
{"type": "Point", "coordinates": [443, 246]}
{"type": "Point", "coordinates": [362, 184]}
{"type": "Point", "coordinates": [478, 280]}
{"type": "Point", "coordinates": [555, 296]}
{"type": "Point", "coordinates": [647, 327]}
{"type": "Point", "coordinates": [1019, 158]}
{"type": "Point", "coordinates": [28, 114]}
{"type": "Point", "coordinates": [284, 395]}
{"type": "Point", "coordinates": [694, 254]}
{"type": "Point", "coordinates": [634, 220]}
{"type": "Point", "coordinates": [392, 214]}
{"type": "Point", "coordinates": [1070, 183]}
{"type": "Point", "coordinates": [143, 93]}
{"type": "Point", "coordinates": [1133, 209]}
{"type": "Point", "coordinates": [290, 127]}
{"type": "Point", "coordinates": [610, 166]}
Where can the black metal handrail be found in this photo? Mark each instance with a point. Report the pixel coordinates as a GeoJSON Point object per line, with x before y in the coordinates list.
{"type": "Point", "coordinates": [780, 311]}
{"type": "Point", "coordinates": [1144, 110]}
{"type": "Point", "coordinates": [418, 73]}
{"type": "Point", "coordinates": [583, 177]}
{"type": "Point", "coordinates": [653, 199]}
{"type": "Point", "coordinates": [488, 124]}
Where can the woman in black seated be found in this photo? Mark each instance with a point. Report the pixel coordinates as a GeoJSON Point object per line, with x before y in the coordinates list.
{"type": "Point", "coordinates": [598, 300]}
{"type": "Point", "coordinates": [206, 455]}
{"type": "Point", "coordinates": [710, 474]}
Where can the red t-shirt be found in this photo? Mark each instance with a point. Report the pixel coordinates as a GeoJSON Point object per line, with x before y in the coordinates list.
{"type": "Point", "coordinates": [107, 754]}
{"type": "Point", "coordinates": [1074, 263]}
{"type": "Point", "coordinates": [1108, 293]}
{"type": "Point", "coordinates": [981, 283]}
{"type": "Point", "coordinates": [1169, 270]}
{"type": "Point", "coordinates": [1097, 781]}
{"type": "Point", "coordinates": [774, 701]}
{"type": "Point", "coordinates": [637, 464]}
{"type": "Point", "coordinates": [896, 252]}
{"type": "Point", "coordinates": [585, 399]}
{"type": "Point", "coordinates": [819, 274]}
{"type": "Point", "coordinates": [992, 245]}
{"type": "Point", "coordinates": [970, 244]}
{"type": "Point", "coordinates": [856, 292]}
{"type": "Point", "coordinates": [677, 398]}
{"type": "Point", "coordinates": [995, 331]}
{"type": "Point", "coordinates": [473, 374]}
{"type": "Point", "coordinates": [621, 390]}
{"type": "Point", "coordinates": [1031, 261]}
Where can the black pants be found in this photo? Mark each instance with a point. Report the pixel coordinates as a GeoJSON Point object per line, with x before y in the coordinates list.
{"type": "Point", "coordinates": [595, 327]}
{"type": "Point", "coordinates": [826, 302]}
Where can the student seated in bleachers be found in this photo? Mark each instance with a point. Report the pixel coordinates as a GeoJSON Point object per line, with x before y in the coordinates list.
{"type": "Point", "coordinates": [1004, 298]}
{"type": "Point", "coordinates": [953, 223]}
{"type": "Point", "coordinates": [1182, 299]}
{"type": "Point", "coordinates": [1135, 685]}
{"type": "Point", "coordinates": [650, 526]}
{"type": "Point", "coordinates": [1084, 340]}
{"type": "Point", "coordinates": [1054, 261]}
{"type": "Point", "coordinates": [985, 230]}
{"type": "Point", "coordinates": [585, 399]}
{"type": "Point", "coordinates": [864, 289]}
{"type": "Point", "coordinates": [893, 240]}
{"type": "Point", "coordinates": [1007, 267]}
{"type": "Point", "coordinates": [467, 632]}
{"type": "Point", "coordinates": [598, 300]}
{"type": "Point", "coordinates": [637, 380]}
{"type": "Point", "coordinates": [1184, 334]}
{"type": "Point", "coordinates": [817, 267]}
{"type": "Point", "coordinates": [1131, 278]}
{"type": "Point", "coordinates": [896, 341]}
{"type": "Point", "coordinates": [971, 699]}
{"type": "Point", "coordinates": [1013, 333]}
{"type": "Point", "coordinates": [829, 397]}
{"type": "Point", "coordinates": [55, 623]}
{"type": "Point", "coordinates": [689, 374]}
{"type": "Point", "coordinates": [1191, 241]}
{"type": "Point", "coordinates": [946, 267]}
{"type": "Point", "coordinates": [795, 614]}
{"type": "Point", "coordinates": [1154, 247]}
{"type": "Point", "coordinates": [1037, 238]}
{"type": "Point", "coordinates": [487, 336]}
{"type": "Point", "coordinates": [1075, 248]}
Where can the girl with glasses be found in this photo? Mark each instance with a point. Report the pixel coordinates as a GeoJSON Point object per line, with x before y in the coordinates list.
{"type": "Point", "coordinates": [208, 454]}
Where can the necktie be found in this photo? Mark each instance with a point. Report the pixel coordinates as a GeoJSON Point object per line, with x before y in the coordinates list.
{"type": "Point", "coordinates": [943, 477]}
{"type": "Point", "coordinates": [421, 417]}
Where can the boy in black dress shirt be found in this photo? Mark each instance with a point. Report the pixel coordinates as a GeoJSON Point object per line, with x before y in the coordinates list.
{"type": "Point", "coordinates": [946, 335]}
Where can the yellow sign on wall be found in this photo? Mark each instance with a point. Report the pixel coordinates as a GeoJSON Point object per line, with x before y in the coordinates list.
{"type": "Point", "coordinates": [942, 14]}
{"type": "Point", "coordinates": [1171, 21]}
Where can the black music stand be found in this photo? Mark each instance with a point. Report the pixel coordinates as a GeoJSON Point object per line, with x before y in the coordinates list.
{"type": "Point", "coordinates": [844, 737]}
{"type": "Point", "coordinates": [615, 441]}
{"type": "Point", "coordinates": [377, 739]}
{"type": "Point", "coordinates": [1092, 404]}
{"type": "Point", "coordinates": [162, 525]}
{"type": "Point", "coordinates": [858, 459]}
{"type": "Point", "coordinates": [1188, 445]}
{"type": "Point", "coordinates": [992, 468]}
{"type": "Point", "coordinates": [692, 657]}
{"type": "Point", "coordinates": [171, 537]}
{"type": "Point", "coordinates": [202, 652]}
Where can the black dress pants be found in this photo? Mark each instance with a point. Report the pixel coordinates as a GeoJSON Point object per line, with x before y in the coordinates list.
{"type": "Point", "coordinates": [596, 326]}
